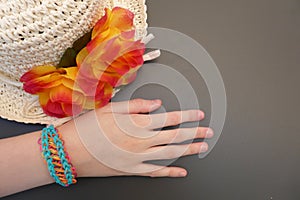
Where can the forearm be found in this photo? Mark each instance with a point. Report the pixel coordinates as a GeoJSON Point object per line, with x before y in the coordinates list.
{"type": "Point", "coordinates": [22, 166]}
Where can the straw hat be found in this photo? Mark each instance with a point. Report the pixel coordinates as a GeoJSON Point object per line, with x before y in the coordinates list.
{"type": "Point", "coordinates": [36, 32]}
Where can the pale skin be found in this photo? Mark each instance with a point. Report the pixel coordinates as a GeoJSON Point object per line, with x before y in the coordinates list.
{"type": "Point", "coordinates": [22, 166]}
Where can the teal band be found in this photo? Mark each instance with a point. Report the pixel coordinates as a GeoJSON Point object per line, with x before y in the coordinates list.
{"type": "Point", "coordinates": [51, 132]}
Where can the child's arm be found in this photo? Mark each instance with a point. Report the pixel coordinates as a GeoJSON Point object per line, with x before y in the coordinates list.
{"type": "Point", "coordinates": [22, 166]}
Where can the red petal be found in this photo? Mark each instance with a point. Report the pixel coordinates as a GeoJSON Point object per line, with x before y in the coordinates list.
{"type": "Point", "coordinates": [101, 24]}
{"type": "Point", "coordinates": [61, 94]}
{"type": "Point", "coordinates": [72, 109]}
{"type": "Point", "coordinates": [40, 84]}
{"type": "Point", "coordinates": [54, 109]}
{"type": "Point", "coordinates": [121, 18]}
{"type": "Point", "coordinates": [37, 72]}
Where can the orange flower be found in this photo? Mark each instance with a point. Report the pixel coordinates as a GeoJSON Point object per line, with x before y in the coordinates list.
{"type": "Point", "coordinates": [112, 55]}
{"type": "Point", "coordinates": [109, 60]}
{"type": "Point", "coordinates": [113, 23]}
{"type": "Point", "coordinates": [57, 95]}
{"type": "Point", "coordinates": [115, 61]}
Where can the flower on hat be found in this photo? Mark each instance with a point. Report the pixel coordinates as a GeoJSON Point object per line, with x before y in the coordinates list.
{"type": "Point", "coordinates": [55, 87]}
{"type": "Point", "coordinates": [115, 61]}
{"type": "Point", "coordinates": [110, 59]}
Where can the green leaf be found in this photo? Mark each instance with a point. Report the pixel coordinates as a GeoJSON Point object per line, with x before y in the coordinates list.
{"type": "Point", "coordinates": [82, 42]}
{"type": "Point", "coordinates": [69, 57]}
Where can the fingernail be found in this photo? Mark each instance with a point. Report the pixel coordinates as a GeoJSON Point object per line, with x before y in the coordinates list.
{"type": "Point", "coordinates": [182, 173]}
{"type": "Point", "coordinates": [203, 147]}
{"type": "Point", "coordinates": [209, 133]}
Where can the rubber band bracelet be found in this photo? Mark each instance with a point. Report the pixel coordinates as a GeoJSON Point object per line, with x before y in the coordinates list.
{"type": "Point", "coordinates": [56, 157]}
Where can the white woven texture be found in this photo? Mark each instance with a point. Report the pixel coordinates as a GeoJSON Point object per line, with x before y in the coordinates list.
{"type": "Point", "coordinates": [37, 32]}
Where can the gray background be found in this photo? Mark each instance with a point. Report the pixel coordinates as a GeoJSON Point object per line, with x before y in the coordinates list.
{"type": "Point", "coordinates": [255, 44]}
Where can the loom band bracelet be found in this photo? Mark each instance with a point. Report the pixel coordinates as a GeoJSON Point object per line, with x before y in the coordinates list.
{"type": "Point", "coordinates": [57, 159]}
{"type": "Point", "coordinates": [65, 161]}
{"type": "Point", "coordinates": [58, 168]}
{"type": "Point", "coordinates": [58, 165]}
{"type": "Point", "coordinates": [61, 153]}
{"type": "Point", "coordinates": [47, 155]}
{"type": "Point", "coordinates": [54, 168]}
{"type": "Point", "coordinates": [67, 178]}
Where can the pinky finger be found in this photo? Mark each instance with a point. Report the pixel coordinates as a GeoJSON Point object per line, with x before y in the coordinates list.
{"type": "Point", "coordinates": [168, 172]}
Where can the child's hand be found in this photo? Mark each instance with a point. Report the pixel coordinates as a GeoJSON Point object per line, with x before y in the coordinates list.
{"type": "Point", "coordinates": [120, 138]}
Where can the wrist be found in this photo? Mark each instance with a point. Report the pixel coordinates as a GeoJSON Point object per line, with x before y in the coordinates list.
{"type": "Point", "coordinates": [80, 157]}
{"type": "Point", "coordinates": [85, 164]}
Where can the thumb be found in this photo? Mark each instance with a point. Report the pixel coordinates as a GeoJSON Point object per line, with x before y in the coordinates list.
{"type": "Point", "coordinates": [134, 106]}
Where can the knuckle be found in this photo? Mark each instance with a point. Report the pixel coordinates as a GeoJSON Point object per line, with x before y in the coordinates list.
{"type": "Point", "coordinates": [141, 120]}
{"type": "Point", "coordinates": [174, 117]}
{"type": "Point", "coordinates": [193, 133]}
{"type": "Point", "coordinates": [192, 115]}
{"type": "Point", "coordinates": [194, 149]}
{"type": "Point", "coordinates": [138, 102]}
{"type": "Point", "coordinates": [172, 135]}
{"type": "Point", "coordinates": [175, 136]}
{"type": "Point", "coordinates": [166, 137]}
{"type": "Point", "coordinates": [172, 153]}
